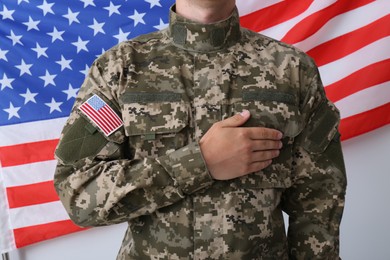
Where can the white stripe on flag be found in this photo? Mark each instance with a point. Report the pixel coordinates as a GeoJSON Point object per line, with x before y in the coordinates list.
{"type": "Point", "coordinates": [38, 214]}
{"type": "Point", "coordinates": [345, 23]}
{"type": "Point", "coordinates": [249, 6]}
{"type": "Point", "coordinates": [280, 30]}
{"type": "Point", "coordinates": [337, 70]}
{"type": "Point", "coordinates": [37, 131]}
{"type": "Point", "coordinates": [7, 242]}
{"type": "Point", "coordinates": [364, 100]}
{"type": "Point", "coordinates": [29, 173]}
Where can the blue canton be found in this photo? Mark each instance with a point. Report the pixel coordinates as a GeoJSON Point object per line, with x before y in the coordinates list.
{"type": "Point", "coordinates": [47, 46]}
{"type": "Point", "coordinates": [96, 102]}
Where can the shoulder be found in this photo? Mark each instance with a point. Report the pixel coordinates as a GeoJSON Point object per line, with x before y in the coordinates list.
{"type": "Point", "coordinates": [275, 49]}
{"type": "Point", "coordinates": [142, 44]}
{"type": "Point", "coordinates": [149, 38]}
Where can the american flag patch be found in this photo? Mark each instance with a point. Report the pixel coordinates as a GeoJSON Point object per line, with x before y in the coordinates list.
{"type": "Point", "coordinates": [101, 114]}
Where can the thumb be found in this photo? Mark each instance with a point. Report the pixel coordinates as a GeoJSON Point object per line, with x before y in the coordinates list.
{"type": "Point", "coordinates": [237, 119]}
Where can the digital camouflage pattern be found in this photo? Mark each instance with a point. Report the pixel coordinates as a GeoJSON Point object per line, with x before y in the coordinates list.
{"type": "Point", "coordinates": [169, 87]}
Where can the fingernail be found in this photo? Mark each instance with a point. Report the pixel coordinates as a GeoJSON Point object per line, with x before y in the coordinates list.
{"type": "Point", "coordinates": [280, 135]}
{"type": "Point", "coordinates": [244, 113]}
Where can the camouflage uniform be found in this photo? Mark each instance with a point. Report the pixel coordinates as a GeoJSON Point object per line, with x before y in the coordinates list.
{"type": "Point", "coordinates": [169, 87]}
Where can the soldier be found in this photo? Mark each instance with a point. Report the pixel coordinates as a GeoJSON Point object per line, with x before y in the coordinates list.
{"type": "Point", "coordinates": [199, 136]}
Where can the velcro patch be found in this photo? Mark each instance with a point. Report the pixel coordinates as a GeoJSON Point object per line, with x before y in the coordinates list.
{"type": "Point", "coordinates": [100, 113]}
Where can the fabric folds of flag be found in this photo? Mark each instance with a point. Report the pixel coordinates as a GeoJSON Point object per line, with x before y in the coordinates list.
{"type": "Point", "coordinates": [46, 47]}
{"type": "Point", "coordinates": [349, 40]}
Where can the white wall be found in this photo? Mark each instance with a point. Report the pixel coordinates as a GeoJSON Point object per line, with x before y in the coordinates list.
{"type": "Point", "coordinates": [365, 232]}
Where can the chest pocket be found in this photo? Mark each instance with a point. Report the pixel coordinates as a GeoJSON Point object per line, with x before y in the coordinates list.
{"type": "Point", "coordinates": [280, 114]}
{"type": "Point", "coordinates": [155, 123]}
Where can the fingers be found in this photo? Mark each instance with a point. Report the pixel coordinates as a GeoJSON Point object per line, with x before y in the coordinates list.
{"type": "Point", "coordinates": [251, 132]}
{"type": "Point", "coordinates": [261, 145]}
{"type": "Point", "coordinates": [262, 133]}
{"type": "Point", "coordinates": [258, 166]}
{"type": "Point", "coordinates": [236, 120]}
{"type": "Point", "coordinates": [260, 160]}
{"type": "Point", "coordinates": [262, 156]}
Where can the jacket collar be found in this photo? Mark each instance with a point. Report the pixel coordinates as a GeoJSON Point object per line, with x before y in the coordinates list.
{"type": "Point", "coordinates": [198, 37]}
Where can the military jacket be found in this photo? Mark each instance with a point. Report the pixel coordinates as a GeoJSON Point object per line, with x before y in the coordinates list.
{"type": "Point", "coordinates": [169, 87]}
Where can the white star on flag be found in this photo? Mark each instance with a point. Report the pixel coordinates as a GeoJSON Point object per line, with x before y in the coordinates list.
{"type": "Point", "coordinates": [121, 36]}
{"type": "Point", "coordinates": [29, 97]}
{"type": "Point", "coordinates": [15, 38]}
{"type": "Point", "coordinates": [137, 17]}
{"type": "Point", "coordinates": [161, 25]}
{"type": "Point", "coordinates": [5, 82]}
{"type": "Point", "coordinates": [48, 79]}
{"type": "Point", "coordinates": [97, 27]}
{"type": "Point", "coordinates": [85, 70]}
{"type": "Point", "coordinates": [72, 16]}
{"type": "Point", "coordinates": [12, 111]}
{"type": "Point", "coordinates": [41, 51]}
{"type": "Point", "coordinates": [7, 14]}
{"type": "Point", "coordinates": [153, 3]}
{"type": "Point", "coordinates": [31, 24]}
{"type": "Point", "coordinates": [54, 106]}
{"type": "Point", "coordinates": [24, 68]}
{"type": "Point", "coordinates": [20, 1]}
{"type": "Point", "coordinates": [65, 64]}
{"type": "Point", "coordinates": [56, 35]}
{"type": "Point", "coordinates": [71, 92]}
{"type": "Point", "coordinates": [112, 9]}
{"type": "Point", "coordinates": [2, 55]}
{"type": "Point", "coordinates": [46, 8]}
{"type": "Point", "coordinates": [88, 3]}
{"type": "Point", "coordinates": [81, 45]}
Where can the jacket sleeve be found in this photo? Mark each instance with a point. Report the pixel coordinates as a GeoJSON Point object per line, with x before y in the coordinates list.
{"type": "Point", "coordinates": [97, 180]}
{"type": "Point", "coordinates": [315, 201]}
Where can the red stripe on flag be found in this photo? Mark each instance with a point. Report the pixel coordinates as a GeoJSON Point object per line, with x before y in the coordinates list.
{"type": "Point", "coordinates": [365, 122]}
{"type": "Point", "coordinates": [369, 76]}
{"type": "Point", "coordinates": [33, 234]}
{"type": "Point", "coordinates": [314, 22]}
{"type": "Point", "coordinates": [113, 118]}
{"type": "Point", "coordinates": [346, 44]}
{"type": "Point", "coordinates": [27, 153]}
{"type": "Point", "coordinates": [274, 14]}
{"type": "Point", "coordinates": [32, 194]}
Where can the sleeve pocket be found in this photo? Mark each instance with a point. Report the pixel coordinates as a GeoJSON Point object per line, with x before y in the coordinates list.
{"type": "Point", "coordinates": [79, 141]}
{"type": "Point", "coordinates": [321, 129]}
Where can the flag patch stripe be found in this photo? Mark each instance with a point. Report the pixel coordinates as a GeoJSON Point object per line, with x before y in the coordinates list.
{"type": "Point", "coordinates": [101, 114]}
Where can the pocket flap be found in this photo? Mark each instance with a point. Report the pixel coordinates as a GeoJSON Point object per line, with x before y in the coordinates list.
{"type": "Point", "coordinates": [155, 118]}
{"type": "Point", "coordinates": [272, 114]}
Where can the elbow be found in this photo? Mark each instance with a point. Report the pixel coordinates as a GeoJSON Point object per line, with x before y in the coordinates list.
{"type": "Point", "coordinates": [78, 206]}
{"type": "Point", "coordinates": [79, 215]}
{"type": "Point", "coordinates": [82, 221]}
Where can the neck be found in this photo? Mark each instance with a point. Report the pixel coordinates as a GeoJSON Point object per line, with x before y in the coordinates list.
{"type": "Point", "coordinates": [205, 11]}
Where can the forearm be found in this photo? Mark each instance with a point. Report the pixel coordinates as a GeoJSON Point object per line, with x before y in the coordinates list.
{"type": "Point", "coordinates": [106, 192]}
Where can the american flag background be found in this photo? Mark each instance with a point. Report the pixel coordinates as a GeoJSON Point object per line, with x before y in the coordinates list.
{"type": "Point", "coordinates": [47, 46]}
